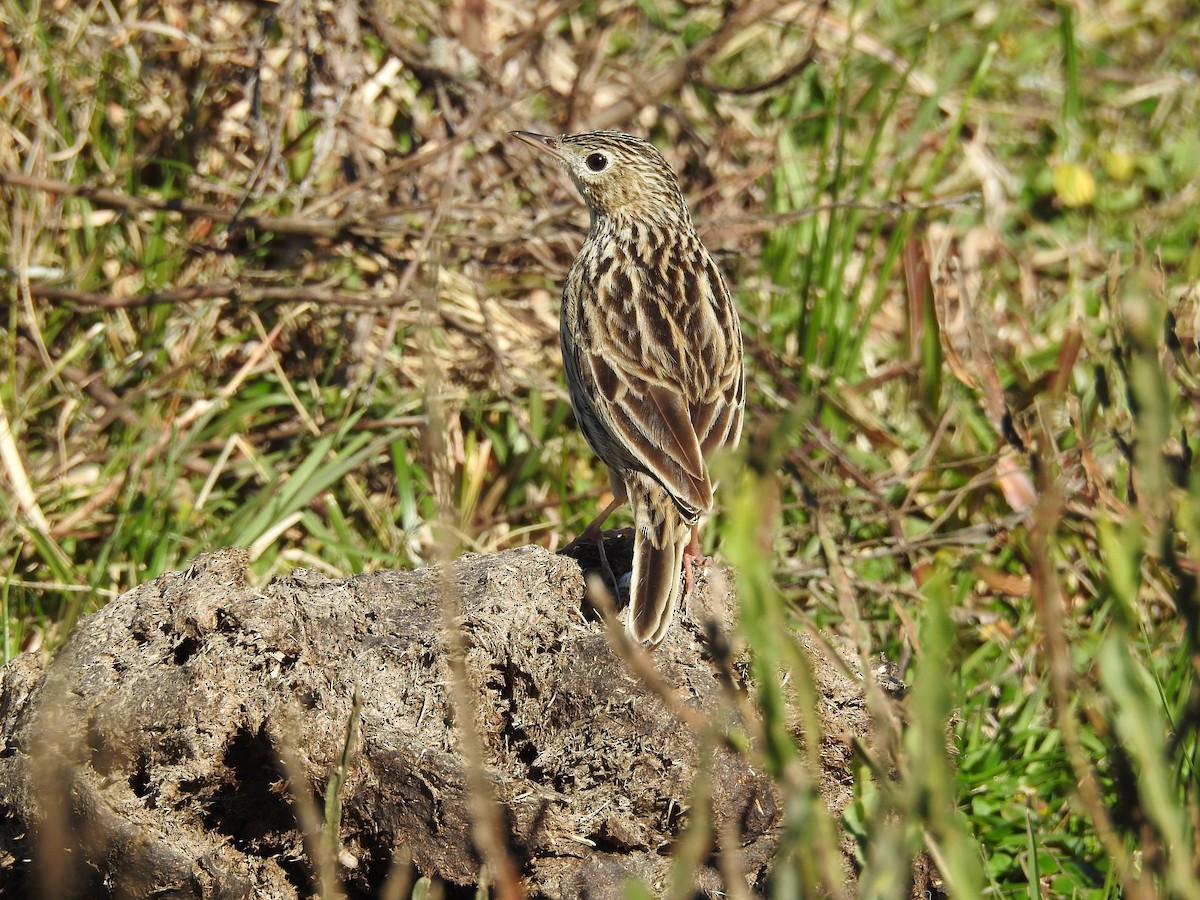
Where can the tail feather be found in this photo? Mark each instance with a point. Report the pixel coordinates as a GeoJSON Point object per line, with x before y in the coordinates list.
{"type": "Point", "coordinates": [655, 584]}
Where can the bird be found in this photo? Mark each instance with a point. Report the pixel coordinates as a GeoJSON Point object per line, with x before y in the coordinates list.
{"type": "Point", "coordinates": [652, 353]}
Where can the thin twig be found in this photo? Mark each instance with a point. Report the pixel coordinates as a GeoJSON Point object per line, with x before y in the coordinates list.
{"type": "Point", "coordinates": [224, 289]}
{"type": "Point", "coordinates": [308, 226]}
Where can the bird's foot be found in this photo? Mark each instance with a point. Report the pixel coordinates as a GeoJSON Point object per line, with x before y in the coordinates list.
{"type": "Point", "coordinates": [591, 538]}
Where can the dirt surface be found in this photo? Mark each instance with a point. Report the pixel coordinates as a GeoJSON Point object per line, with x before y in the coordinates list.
{"type": "Point", "coordinates": [145, 758]}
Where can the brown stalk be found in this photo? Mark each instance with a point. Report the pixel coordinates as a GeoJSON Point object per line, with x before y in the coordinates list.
{"type": "Point", "coordinates": [1049, 606]}
{"type": "Point", "coordinates": [489, 831]}
{"type": "Point", "coordinates": [639, 660]}
{"type": "Point", "coordinates": [308, 817]}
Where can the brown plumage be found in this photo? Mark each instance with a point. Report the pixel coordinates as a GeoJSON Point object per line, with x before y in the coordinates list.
{"type": "Point", "coordinates": [652, 352]}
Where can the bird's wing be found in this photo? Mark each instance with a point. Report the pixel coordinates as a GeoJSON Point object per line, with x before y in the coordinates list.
{"type": "Point", "coordinates": [651, 420]}
{"type": "Point", "coordinates": [717, 416]}
{"type": "Point", "coordinates": [718, 419]}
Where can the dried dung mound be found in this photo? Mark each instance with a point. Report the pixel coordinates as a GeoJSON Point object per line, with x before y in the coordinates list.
{"type": "Point", "coordinates": [147, 758]}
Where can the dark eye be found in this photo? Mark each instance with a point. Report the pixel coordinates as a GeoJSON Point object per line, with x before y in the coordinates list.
{"type": "Point", "coordinates": [597, 162]}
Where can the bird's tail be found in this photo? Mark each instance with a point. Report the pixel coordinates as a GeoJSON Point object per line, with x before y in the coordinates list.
{"type": "Point", "coordinates": [655, 585]}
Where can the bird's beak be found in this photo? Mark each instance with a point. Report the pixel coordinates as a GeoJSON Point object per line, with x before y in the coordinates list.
{"type": "Point", "coordinates": [540, 141]}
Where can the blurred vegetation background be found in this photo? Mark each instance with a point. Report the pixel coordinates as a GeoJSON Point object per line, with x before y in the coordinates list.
{"type": "Point", "coordinates": [275, 276]}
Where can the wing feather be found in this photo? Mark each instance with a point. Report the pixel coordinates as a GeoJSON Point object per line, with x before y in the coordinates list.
{"type": "Point", "coordinates": [653, 425]}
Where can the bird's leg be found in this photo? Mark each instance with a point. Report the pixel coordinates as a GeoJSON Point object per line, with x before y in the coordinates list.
{"type": "Point", "coordinates": [592, 531]}
{"type": "Point", "coordinates": [592, 534]}
{"type": "Point", "coordinates": [692, 557]}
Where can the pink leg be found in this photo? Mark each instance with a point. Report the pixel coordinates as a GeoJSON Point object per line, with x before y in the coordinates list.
{"type": "Point", "coordinates": [692, 557]}
{"type": "Point", "coordinates": [591, 533]}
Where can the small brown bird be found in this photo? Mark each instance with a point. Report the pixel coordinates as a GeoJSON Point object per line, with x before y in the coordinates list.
{"type": "Point", "coordinates": [652, 351]}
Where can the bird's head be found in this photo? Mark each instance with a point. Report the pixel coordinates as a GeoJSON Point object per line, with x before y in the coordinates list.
{"type": "Point", "coordinates": [619, 175]}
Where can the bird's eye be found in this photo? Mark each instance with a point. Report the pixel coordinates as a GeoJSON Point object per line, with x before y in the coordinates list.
{"type": "Point", "coordinates": [597, 162]}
